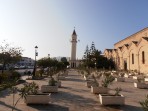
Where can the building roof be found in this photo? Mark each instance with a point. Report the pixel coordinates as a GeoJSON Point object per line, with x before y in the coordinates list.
{"type": "Point", "coordinates": [120, 48]}
{"type": "Point", "coordinates": [146, 38]}
{"type": "Point", "coordinates": [74, 32]}
{"type": "Point", "coordinates": [132, 35]}
{"type": "Point", "coordinates": [109, 50]}
{"type": "Point", "coordinates": [135, 42]}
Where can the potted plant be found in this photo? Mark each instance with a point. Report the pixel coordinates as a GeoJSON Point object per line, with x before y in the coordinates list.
{"type": "Point", "coordinates": [86, 74]}
{"type": "Point", "coordinates": [112, 99]}
{"type": "Point", "coordinates": [120, 78]}
{"type": "Point", "coordinates": [138, 76]}
{"type": "Point", "coordinates": [140, 84]}
{"type": "Point", "coordinates": [95, 88]}
{"type": "Point", "coordinates": [58, 82]}
{"type": "Point", "coordinates": [108, 79]}
{"type": "Point", "coordinates": [31, 95]}
{"type": "Point", "coordinates": [82, 73]}
{"type": "Point", "coordinates": [52, 83]}
{"type": "Point", "coordinates": [51, 87]}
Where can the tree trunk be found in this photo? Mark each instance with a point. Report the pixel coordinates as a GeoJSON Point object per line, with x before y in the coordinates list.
{"type": "Point", "coordinates": [4, 64]}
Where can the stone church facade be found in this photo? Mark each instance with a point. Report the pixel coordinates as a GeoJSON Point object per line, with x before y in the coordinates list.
{"type": "Point", "coordinates": [131, 53]}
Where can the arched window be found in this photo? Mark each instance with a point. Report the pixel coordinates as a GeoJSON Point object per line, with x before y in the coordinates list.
{"type": "Point", "coordinates": [143, 57]}
{"type": "Point", "coordinates": [132, 58]}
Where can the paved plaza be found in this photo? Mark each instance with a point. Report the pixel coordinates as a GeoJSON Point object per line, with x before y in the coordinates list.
{"type": "Point", "coordinates": [75, 96]}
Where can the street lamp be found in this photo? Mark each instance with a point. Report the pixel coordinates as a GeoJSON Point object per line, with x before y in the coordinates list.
{"type": "Point", "coordinates": [36, 54]}
{"type": "Point", "coordinates": [48, 55]}
{"type": "Point", "coordinates": [95, 65]}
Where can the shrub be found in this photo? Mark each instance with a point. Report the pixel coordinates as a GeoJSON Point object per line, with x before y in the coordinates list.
{"type": "Point", "coordinates": [3, 77]}
{"type": "Point", "coordinates": [108, 80]}
{"type": "Point", "coordinates": [52, 82]}
{"type": "Point", "coordinates": [122, 74]}
{"type": "Point", "coordinates": [30, 88]}
{"type": "Point", "coordinates": [140, 80]}
{"type": "Point", "coordinates": [117, 91]}
{"type": "Point", "coordinates": [144, 104]}
{"type": "Point", "coordinates": [82, 72]}
{"type": "Point", "coordinates": [95, 81]}
{"type": "Point", "coordinates": [15, 75]}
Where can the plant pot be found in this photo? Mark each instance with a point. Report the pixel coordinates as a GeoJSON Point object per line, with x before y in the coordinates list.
{"type": "Point", "coordinates": [120, 79]}
{"type": "Point", "coordinates": [126, 75]}
{"type": "Point", "coordinates": [37, 99]}
{"type": "Point", "coordinates": [140, 85]}
{"type": "Point", "coordinates": [135, 77]}
{"type": "Point", "coordinates": [146, 79]}
{"type": "Point", "coordinates": [49, 89]}
{"type": "Point", "coordinates": [106, 99]}
{"type": "Point", "coordinates": [85, 78]}
{"type": "Point", "coordinates": [99, 90]}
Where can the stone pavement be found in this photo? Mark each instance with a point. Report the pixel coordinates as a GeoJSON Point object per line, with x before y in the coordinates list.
{"type": "Point", "coordinates": [75, 96]}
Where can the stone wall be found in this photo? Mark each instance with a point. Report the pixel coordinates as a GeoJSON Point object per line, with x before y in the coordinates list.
{"type": "Point", "coordinates": [131, 53]}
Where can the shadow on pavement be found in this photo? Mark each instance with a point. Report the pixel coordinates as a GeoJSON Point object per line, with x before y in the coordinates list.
{"type": "Point", "coordinates": [74, 80]}
{"type": "Point", "coordinates": [74, 90]}
{"type": "Point", "coordinates": [131, 108]}
{"type": "Point", "coordinates": [5, 93]}
{"type": "Point", "coordinates": [121, 108]}
{"type": "Point", "coordinates": [8, 106]}
{"type": "Point", "coordinates": [49, 107]}
{"type": "Point", "coordinates": [67, 98]}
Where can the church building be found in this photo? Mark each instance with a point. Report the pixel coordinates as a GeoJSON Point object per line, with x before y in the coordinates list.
{"type": "Point", "coordinates": [131, 53]}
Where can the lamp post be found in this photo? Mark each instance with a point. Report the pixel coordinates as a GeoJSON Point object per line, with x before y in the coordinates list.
{"type": "Point", "coordinates": [48, 55]}
{"type": "Point", "coordinates": [95, 65]}
{"type": "Point", "coordinates": [36, 54]}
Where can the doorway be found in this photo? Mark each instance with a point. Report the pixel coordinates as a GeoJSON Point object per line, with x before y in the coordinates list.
{"type": "Point", "coordinates": [125, 64]}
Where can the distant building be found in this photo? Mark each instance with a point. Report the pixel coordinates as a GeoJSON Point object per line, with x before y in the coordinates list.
{"type": "Point", "coordinates": [25, 61]}
{"type": "Point", "coordinates": [73, 61]}
{"type": "Point", "coordinates": [131, 53]}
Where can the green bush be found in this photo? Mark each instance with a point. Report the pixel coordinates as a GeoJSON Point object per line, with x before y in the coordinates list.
{"type": "Point", "coordinates": [144, 104]}
{"type": "Point", "coordinates": [52, 82]}
{"type": "Point", "coordinates": [117, 91]}
{"type": "Point", "coordinates": [15, 75]}
{"type": "Point", "coordinates": [4, 77]}
{"type": "Point", "coordinates": [107, 80]}
{"type": "Point", "coordinates": [30, 88]}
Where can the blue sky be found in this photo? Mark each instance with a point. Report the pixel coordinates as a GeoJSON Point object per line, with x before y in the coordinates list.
{"type": "Point", "coordinates": [50, 23]}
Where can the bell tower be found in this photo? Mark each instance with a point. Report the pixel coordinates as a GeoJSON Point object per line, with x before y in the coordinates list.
{"type": "Point", "coordinates": [73, 61]}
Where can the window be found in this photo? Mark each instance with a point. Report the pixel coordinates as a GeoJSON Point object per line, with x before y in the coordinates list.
{"type": "Point", "coordinates": [143, 57]}
{"type": "Point", "coordinates": [132, 58]}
